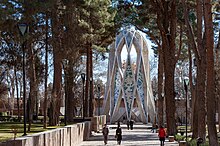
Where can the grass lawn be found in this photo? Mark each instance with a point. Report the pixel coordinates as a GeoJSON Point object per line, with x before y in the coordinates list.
{"type": "Point", "coordinates": [6, 129]}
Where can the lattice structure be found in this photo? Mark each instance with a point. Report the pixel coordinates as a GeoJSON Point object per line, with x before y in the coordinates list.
{"type": "Point", "coordinates": [129, 79]}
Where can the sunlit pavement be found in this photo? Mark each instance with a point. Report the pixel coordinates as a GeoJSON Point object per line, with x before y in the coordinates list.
{"type": "Point", "coordinates": [141, 135]}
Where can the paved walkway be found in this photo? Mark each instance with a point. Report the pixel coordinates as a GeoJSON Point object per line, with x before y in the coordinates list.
{"type": "Point", "coordinates": [141, 135]}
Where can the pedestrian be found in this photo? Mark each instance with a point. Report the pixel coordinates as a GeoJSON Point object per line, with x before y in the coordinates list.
{"type": "Point", "coordinates": [105, 132]}
{"type": "Point", "coordinates": [128, 124]}
{"type": "Point", "coordinates": [124, 121]}
{"type": "Point", "coordinates": [156, 128]}
{"type": "Point", "coordinates": [153, 128]}
{"type": "Point", "coordinates": [118, 134]}
{"type": "Point", "coordinates": [131, 124]}
{"type": "Point", "coordinates": [162, 135]}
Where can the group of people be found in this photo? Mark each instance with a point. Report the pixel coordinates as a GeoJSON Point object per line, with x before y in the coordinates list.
{"type": "Point", "coordinates": [130, 124]}
{"type": "Point", "coordinates": [118, 134]}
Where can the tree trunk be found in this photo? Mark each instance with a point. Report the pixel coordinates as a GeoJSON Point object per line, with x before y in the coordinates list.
{"type": "Point", "coordinates": [201, 74]}
{"type": "Point", "coordinates": [69, 95]}
{"type": "Point", "coordinates": [12, 97]}
{"type": "Point", "coordinates": [201, 78]}
{"type": "Point", "coordinates": [91, 97]}
{"type": "Point", "coordinates": [57, 79]}
{"type": "Point", "coordinates": [33, 85]}
{"type": "Point", "coordinates": [218, 79]}
{"type": "Point", "coordinates": [87, 83]}
{"type": "Point", "coordinates": [66, 98]}
{"type": "Point", "coordinates": [192, 87]}
{"type": "Point", "coordinates": [56, 92]}
{"type": "Point", "coordinates": [167, 26]}
{"type": "Point", "coordinates": [46, 75]}
{"type": "Point", "coordinates": [195, 115]}
{"type": "Point", "coordinates": [209, 44]}
{"type": "Point", "coordinates": [17, 92]}
{"type": "Point", "coordinates": [192, 41]}
{"type": "Point", "coordinates": [160, 89]}
{"type": "Point", "coordinates": [170, 62]}
{"type": "Point", "coordinates": [217, 84]}
{"type": "Point", "coordinates": [170, 97]}
{"type": "Point", "coordinates": [36, 104]}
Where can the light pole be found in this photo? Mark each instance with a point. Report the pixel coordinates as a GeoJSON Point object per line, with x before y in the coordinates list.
{"type": "Point", "coordinates": [186, 83]}
{"type": "Point", "coordinates": [23, 29]}
{"type": "Point", "coordinates": [83, 81]}
{"type": "Point", "coordinates": [99, 89]}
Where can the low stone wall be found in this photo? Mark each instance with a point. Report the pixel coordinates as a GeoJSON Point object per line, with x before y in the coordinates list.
{"type": "Point", "coordinates": [182, 143]}
{"type": "Point", "coordinates": [98, 122]}
{"type": "Point", "coordinates": [70, 135]}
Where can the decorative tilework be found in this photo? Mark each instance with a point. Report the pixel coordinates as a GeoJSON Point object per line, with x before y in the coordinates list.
{"type": "Point", "coordinates": [128, 87]}
{"type": "Point", "coordinates": [117, 86]}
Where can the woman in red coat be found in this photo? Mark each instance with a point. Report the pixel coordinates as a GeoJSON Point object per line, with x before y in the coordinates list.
{"type": "Point", "coordinates": [162, 135]}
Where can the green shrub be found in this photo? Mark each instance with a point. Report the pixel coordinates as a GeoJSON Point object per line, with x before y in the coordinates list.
{"type": "Point", "coordinates": [179, 137]}
{"type": "Point", "coordinates": [3, 114]}
{"type": "Point", "coordinates": [205, 144]}
{"type": "Point", "coordinates": [194, 143]}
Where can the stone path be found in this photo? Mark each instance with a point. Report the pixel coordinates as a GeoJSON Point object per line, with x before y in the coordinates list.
{"type": "Point", "coordinates": [141, 135]}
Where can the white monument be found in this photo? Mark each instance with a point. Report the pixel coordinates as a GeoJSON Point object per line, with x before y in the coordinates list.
{"type": "Point", "coordinates": [129, 79]}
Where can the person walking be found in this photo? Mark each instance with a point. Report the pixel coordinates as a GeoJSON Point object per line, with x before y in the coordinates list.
{"type": "Point", "coordinates": [128, 124]}
{"type": "Point", "coordinates": [105, 132]}
{"type": "Point", "coordinates": [154, 128]}
{"type": "Point", "coordinates": [162, 135]}
{"type": "Point", "coordinates": [131, 124]}
{"type": "Point", "coordinates": [118, 134]}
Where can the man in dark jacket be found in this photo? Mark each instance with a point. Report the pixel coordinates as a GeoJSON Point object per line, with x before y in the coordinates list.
{"type": "Point", "coordinates": [118, 134]}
